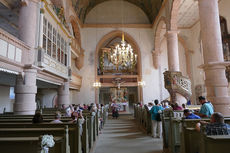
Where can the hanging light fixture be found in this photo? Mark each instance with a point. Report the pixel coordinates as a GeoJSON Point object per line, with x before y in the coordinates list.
{"type": "Point", "coordinates": [97, 84]}
{"type": "Point", "coordinates": [122, 55]}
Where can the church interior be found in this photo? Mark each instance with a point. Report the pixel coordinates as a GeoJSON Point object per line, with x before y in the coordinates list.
{"type": "Point", "coordinates": [104, 62]}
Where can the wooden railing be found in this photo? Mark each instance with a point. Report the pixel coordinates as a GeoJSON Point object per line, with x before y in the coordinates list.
{"type": "Point", "coordinates": [12, 48]}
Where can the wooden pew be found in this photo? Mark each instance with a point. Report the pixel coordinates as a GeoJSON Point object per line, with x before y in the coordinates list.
{"type": "Point", "coordinates": [143, 116]}
{"type": "Point", "coordinates": [171, 130]}
{"type": "Point", "coordinates": [90, 130]}
{"type": "Point", "coordinates": [192, 139]}
{"type": "Point", "coordinates": [24, 139]}
{"type": "Point", "coordinates": [215, 144]}
{"type": "Point", "coordinates": [27, 130]}
{"type": "Point", "coordinates": [29, 144]}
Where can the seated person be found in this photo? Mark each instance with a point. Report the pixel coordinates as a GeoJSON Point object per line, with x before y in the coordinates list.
{"type": "Point", "coordinates": [206, 109]}
{"type": "Point", "coordinates": [177, 107]}
{"type": "Point", "coordinates": [74, 117]}
{"type": "Point", "coordinates": [189, 115]}
{"type": "Point", "coordinates": [57, 118]}
{"type": "Point", "coordinates": [38, 118]}
{"type": "Point", "coordinates": [166, 105]}
{"type": "Point", "coordinates": [216, 125]}
{"type": "Point", "coordinates": [81, 121]}
{"type": "Point", "coordinates": [183, 106]}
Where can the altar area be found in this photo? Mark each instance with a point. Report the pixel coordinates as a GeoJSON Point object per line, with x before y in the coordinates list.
{"type": "Point", "coordinates": [119, 99]}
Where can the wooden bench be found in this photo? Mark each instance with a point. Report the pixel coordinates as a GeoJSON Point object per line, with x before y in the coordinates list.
{"type": "Point", "coordinates": [29, 145]}
{"type": "Point", "coordinates": [30, 130]}
{"type": "Point", "coordinates": [90, 128]}
{"type": "Point", "coordinates": [215, 144]}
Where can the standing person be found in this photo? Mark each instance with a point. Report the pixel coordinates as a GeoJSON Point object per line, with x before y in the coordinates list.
{"type": "Point", "coordinates": [156, 122]}
{"type": "Point", "coordinates": [115, 113]}
{"type": "Point", "coordinates": [206, 109]}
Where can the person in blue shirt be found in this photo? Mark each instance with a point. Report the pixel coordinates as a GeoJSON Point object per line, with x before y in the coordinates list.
{"type": "Point", "coordinates": [156, 123]}
{"type": "Point", "coordinates": [189, 115]}
{"type": "Point", "coordinates": [206, 109]}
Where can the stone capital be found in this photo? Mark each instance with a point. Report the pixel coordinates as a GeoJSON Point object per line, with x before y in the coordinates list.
{"type": "Point", "coordinates": [171, 32]}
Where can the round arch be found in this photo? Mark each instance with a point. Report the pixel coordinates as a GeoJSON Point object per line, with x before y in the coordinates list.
{"type": "Point", "coordinates": [129, 38]}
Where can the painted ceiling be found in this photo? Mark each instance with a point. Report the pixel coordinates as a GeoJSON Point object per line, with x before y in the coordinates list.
{"type": "Point", "coordinates": [150, 7]}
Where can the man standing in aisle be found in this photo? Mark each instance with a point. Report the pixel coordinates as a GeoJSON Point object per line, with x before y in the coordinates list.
{"type": "Point", "coordinates": [206, 109]}
{"type": "Point", "coordinates": [156, 120]}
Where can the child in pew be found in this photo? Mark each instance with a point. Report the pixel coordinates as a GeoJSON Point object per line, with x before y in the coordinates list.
{"type": "Point", "coordinates": [74, 117]}
{"type": "Point", "coordinates": [38, 118]}
{"type": "Point", "coordinates": [57, 118]}
{"type": "Point", "coordinates": [216, 125]}
{"type": "Point", "coordinates": [189, 115]}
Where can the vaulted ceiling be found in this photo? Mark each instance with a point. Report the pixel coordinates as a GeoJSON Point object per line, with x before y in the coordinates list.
{"type": "Point", "coordinates": [150, 7]}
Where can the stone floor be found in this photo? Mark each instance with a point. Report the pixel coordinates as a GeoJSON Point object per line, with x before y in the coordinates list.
{"type": "Point", "coordinates": [124, 136]}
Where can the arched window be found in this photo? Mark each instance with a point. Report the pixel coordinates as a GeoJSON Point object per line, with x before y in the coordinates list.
{"type": "Point", "coordinates": [226, 44]}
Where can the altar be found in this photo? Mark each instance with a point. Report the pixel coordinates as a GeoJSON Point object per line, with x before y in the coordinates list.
{"type": "Point", "coordinates": [119, 99]}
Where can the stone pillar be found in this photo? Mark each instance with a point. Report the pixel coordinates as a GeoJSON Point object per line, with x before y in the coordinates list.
{"type": "Point", "coordinates": [63, 94]}
{"type": "Point", "coordinates": [28, 26]}
{"type": "Point", "coordinates": [214, 65]}
{"type": "Point", "coordinates": [172, 47]}
{"type": "Point", "coordinates": [25, 92]}
{"type": "Point", "coordinates": [173, 63]}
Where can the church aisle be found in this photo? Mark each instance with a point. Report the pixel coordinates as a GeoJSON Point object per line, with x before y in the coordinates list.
{"type": "Point", "coordinates": [124, 136]}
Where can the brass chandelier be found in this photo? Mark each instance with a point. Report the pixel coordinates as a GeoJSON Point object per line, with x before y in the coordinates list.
{"type": "Point", "coordinates": [122, 55]}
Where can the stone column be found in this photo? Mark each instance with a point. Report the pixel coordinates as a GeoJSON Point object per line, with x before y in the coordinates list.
{"type": "Point", "coordinates": [25, 92]}
{"type": "Point", "coordinates": [214, 65]}
{"type": "Point", "coordinates": [172, 47]}
{"type": "Point", "coordinates": [63, 94]}
{"type": "Point", "coordinates": [173, 63]}
{"type": "Point", "coordinates": [28, 26]}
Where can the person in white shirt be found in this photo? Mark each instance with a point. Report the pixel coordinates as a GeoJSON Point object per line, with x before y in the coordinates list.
{"type": "Point", "coordinates": [57, 118]}
{"type": "Point", "coordinates": [150, 105]}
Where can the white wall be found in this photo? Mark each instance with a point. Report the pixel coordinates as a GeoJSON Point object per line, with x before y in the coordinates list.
{"type": "Point", "coordinates": [116, 11]}
{"type": "Point", "coordinates": [5, 101]}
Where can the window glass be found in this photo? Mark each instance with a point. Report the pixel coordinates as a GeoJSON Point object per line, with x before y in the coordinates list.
{"type": "Point", "coordinates": [54, 51]}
